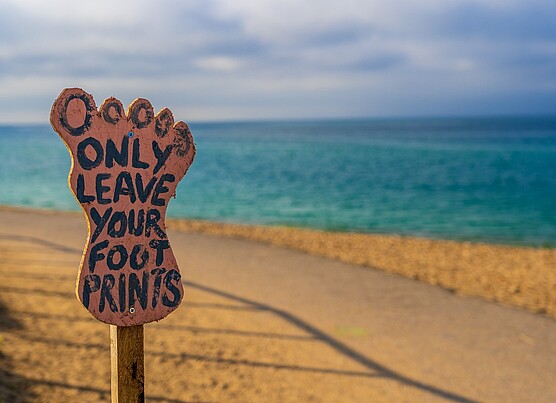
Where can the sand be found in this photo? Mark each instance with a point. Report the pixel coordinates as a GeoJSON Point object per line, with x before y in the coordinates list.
{"type": "Point", "coordinates": [519, 276]}
{"type": "Point", "coordinates": [265, 323]}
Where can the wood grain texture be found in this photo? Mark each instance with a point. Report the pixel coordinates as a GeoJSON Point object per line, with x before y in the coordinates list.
{"type": "Point", "coordinates": [127, 362]}
{"type": "Point", "coordinates": [125, 168]}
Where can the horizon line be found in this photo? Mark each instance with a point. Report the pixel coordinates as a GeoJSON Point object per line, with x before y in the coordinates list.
{"type": "Point", "coordinates": [337, 118]}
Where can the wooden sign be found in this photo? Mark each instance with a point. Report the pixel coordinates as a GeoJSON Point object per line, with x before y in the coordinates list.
{"type": "Point", "coordinates": [125, 167]}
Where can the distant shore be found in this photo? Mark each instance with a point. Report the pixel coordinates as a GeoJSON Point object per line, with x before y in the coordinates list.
{"type": "Point", "coordinates": [518, 276]}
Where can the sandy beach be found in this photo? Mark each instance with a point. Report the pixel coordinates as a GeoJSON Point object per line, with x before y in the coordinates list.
{"type": "Point", "coordinates": [287, 315]}
{"type": "Point", "coordinates": [518, 276]}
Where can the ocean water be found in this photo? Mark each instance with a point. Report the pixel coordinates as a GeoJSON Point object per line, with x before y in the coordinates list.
{"type": "Point", "coordinates": [480, 179]}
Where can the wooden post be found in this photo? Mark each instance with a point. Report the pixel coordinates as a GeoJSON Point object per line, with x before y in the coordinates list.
{"type": "Point", "coordinates": [127, 362]}
{"type": "Point", "coordinates": [118, 158]}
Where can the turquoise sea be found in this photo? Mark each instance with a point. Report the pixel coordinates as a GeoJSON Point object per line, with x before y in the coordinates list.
{"type": "Point", "coordinates": [481, 179]}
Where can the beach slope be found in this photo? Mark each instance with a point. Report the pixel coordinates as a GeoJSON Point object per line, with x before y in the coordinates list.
{"type": "Point", "coordinates": [262, 323]}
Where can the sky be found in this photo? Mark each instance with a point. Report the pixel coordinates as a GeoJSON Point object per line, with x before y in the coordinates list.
{"type": "Point", "coordinates": [214, 60]}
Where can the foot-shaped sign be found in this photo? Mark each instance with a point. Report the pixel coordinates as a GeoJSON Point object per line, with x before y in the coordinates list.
{"type": "Point", "coordinates": [125, 167]}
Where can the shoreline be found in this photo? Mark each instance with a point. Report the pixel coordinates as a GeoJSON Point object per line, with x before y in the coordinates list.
{"type": "Point", "coordinates": [514, 275]}
{"type": "Point", "coordinates": [519, 276]}
{"type": "Point", "coordinates": [202, 222]}
{"type": "Point", "coordinates": [262, 323]}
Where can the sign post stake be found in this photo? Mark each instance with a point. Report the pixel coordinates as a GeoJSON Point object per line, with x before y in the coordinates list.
{"type": "Point", "coordinates": [127, 364]}
{"type": "Point", "coordinates": [125, 168]}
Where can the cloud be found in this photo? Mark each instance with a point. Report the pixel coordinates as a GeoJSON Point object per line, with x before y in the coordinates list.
{"type": "Point", "coordinates": [218, 59]}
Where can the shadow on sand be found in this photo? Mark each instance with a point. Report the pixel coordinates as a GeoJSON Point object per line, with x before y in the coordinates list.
{"type": "Point", "coordinates": [13, 387]}
{"type": "Point", "coordinates": [380, 370]}
{"type": "Point", "coordinates": [311, 333]}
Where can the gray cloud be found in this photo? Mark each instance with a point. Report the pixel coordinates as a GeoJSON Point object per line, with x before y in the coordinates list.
{"type": "Point", "coordinates": [522, 22]}
{"type": "Point", "coordinates": [275, 59]}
